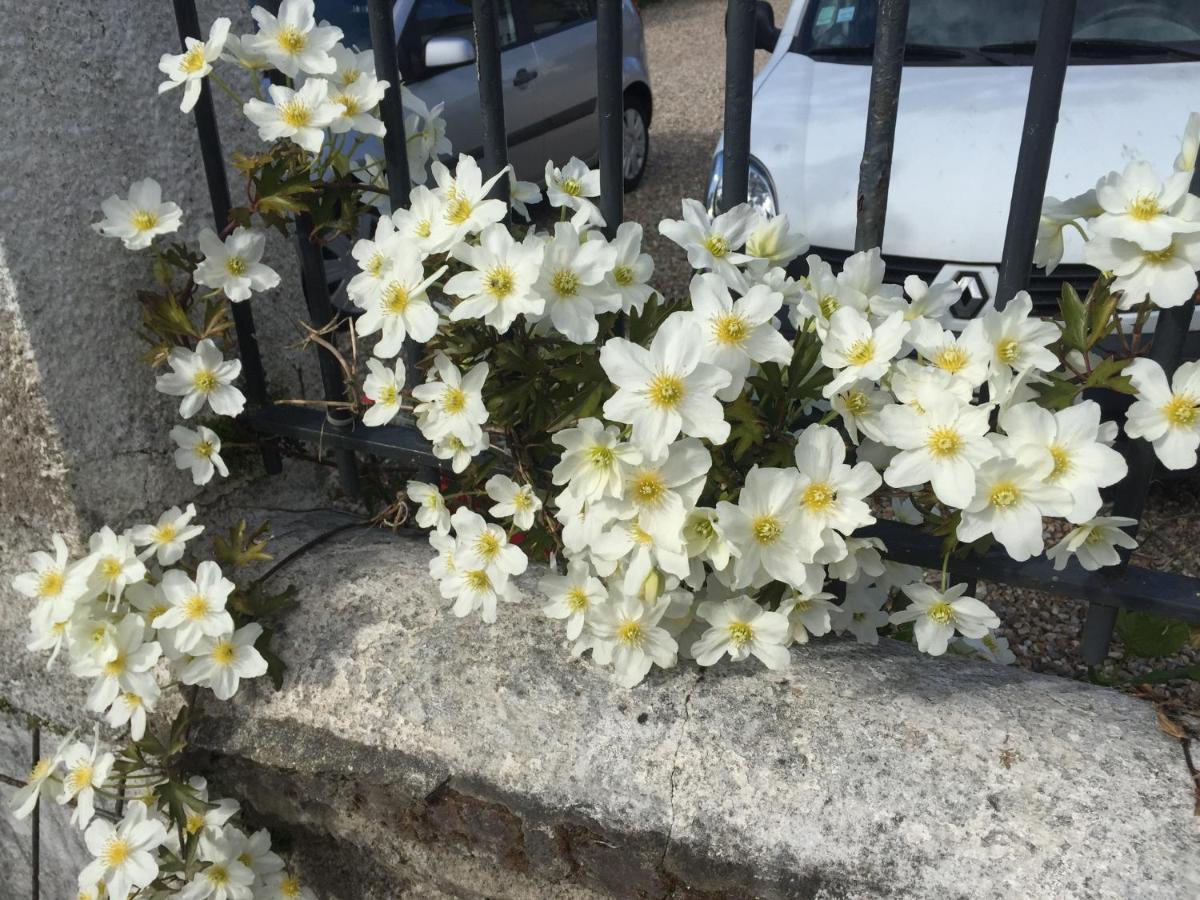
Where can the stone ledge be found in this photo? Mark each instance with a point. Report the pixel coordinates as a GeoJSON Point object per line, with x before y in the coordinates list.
{"type": "Point", "coordinates": [413, 752]}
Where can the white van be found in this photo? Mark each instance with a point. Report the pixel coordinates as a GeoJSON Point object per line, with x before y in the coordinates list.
{"type": "Point", "coordinates": [1134, 76]}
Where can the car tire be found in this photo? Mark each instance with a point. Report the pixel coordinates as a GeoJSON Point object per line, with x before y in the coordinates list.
{"type": "Point", "coordinates": [635, 140]}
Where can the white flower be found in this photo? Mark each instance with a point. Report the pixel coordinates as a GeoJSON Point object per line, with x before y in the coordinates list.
{"type": "Point", "coordinates": [515, 501]}
{"type": "Point", "coordinates": [47, 632]}
{"type": "Point", "coordinates": [666, 389]}
{"type": "Point", "coordinates": [1186, 160]}
{"type": "Point", "coordinates": [483, 545]}
{"type": "Point", "coordinates": [704, 539]}
{"type": "Point", "coordinates": [190, 67]}
{"type": "Point", "coordinates": [641, 552]}
{"type": "Point", "coordinates": [243, 51]}
{"type": "Point", "coordinates": [571, 281]}
{"type": "Point", "coordinates": [130, 670]}
{"type": "Point", "coordinates": [857, 350]}
{"type": "Point", "coordinates": [830, 494]}
{"type": "Point", "coordinates": [221, 662]}
{"type": "Point", "coordinates": [55, 582]}
{"type": "Point", "coordinates": [626, 633]}
{"type": "Point", "coordinates": [737, 334]}
{"type": "Point", "coordinates": [1167, 276]}
{"type": "Point", "coordinates": [711, 243]}
{"type": "Point", "coordinates": [1139, 208]}
{"type": "Point", "coordinates": [991, 647]}
{"type": "Point", "coordinates": [130, 709]}
{"type": "Point", "coordinates": [659, 492]}
{"type": "Point", "coordinates": [383, 388]}
{"type": "Point", "coordinates": [862, 557]}
{"type": "Point", "coordinates": [293, 41]}
{"type": "Point", "coordinates": [522, 195]}
{"type": "Point", "coordinates": [944, 445]}
{"type": "Point", "coordinates": [124, 855]}
{"type": "Point", "coordinates": [415, 223]}
{"type": "Point", "coordinates": [771, 240]}
{"type": "Point", "coordinates": [631, 269]}
{"type": "Point", "coordinates": [460, 452]}
{"type": "Point", "coordinates": [742, 628]}
{"type": "Point", "coordinates": [1012, 338]}
{"type": "Point", "coordinates": [466, 208]}
{"type": "Point", "coordinates": [931, 302]}
{"type": "Point", "coordinates": [256, 852]}
{"type": "Point", "coordinates": [1167, 416]}
{"type": "Point", "coordinates": [937, 615]}
{"type": "Point", "coordinates": [113, 563]}
{"type": "Point", "coordinates": [197, 608]}
{"type": "Point", "coordinates": [477, 590]}
{"type": "Point", "coordinates": [433, 513]}
{"type": "Point", "coordinates": [372, 255]}
{"type": "Point", "coordinates": [200, 451]}
{"type": "Point", "coordinates": [234, 266]}
{"type": "Point", "coordinates": [167, 539]}
{"type": "Point", "coordinates": [141, 217]}
{"type": "Point", "coordinates": [956, 355]}
{"type": "Point", "coordinates": [808, 610]}
{"type": "Point", "coordinates": [499, 285]}
{"type": "Point", "coordinates": [42, 774]}
{"type": "Point", "coordinates": [225, 877]}
{"type": "Point", "coordinates": [595, 462]}
{"type": "Point", "coordinates": [299, 115]}
{"type": "Point", "coordinates": [284, 886]}
{"type": "Point", "coordinates": [399, 308]}
{"type": "Point", "coordinates": [356, 106]}
{"type": "Point", "coordinates": [861, 612]}
{"type": "Point", "coordinates": [426, 134]}
{"type": "Point", "coordinates": [572, 187]}
{"type": "Point", "coordinates": [573, 595]}
{"type": "Point", "coordinates": [1071, 438]}
{"type": "Point", "coordinates": [84, 771]}
{"type": "Point", "coordinates": [1056, 215]}
{"type": "Point", "coordinates": [202, 376]}
{"type": "Point", "coordinates": [860, 405]}
{"type": "Point", "coordinates": [860, 283]}
{"type": "Point", "coordinates": [352, 65]}
{"type": "Point", "coordinates": [1011, 497]}
{"type": "Point", "coordinates": [764, 528]}
{"type": "Point", "coordinates": [1094, 542]}
{"type": "Point", "coordinates": [452, 406]}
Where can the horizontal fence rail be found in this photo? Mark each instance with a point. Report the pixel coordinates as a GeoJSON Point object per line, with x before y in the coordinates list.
{"type": "Point", "coordinates": [1106, 592]}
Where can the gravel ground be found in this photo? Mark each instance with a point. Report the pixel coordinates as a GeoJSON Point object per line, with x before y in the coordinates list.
{"type": "Point", "coordinates": [685, 42]}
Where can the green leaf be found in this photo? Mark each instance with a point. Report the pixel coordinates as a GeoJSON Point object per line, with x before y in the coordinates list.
{"type": "Point", "coordinates": [1151, 636]}
{"type": "Point", "coordinates": [1074, 314]}
{"type": "Point", "coordinates": [1107, 374]}
{"type": "Point", "coordinates": [1058, 394]}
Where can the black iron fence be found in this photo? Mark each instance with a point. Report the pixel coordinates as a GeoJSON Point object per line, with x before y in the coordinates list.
{"type": "Point", "coordinates": [1106, 591]}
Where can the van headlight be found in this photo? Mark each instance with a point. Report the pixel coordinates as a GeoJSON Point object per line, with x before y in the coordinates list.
{"type": "Point", "coordinates": [760, 191]}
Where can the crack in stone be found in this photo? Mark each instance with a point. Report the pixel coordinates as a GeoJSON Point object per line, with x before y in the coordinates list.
{"type": "Point", "coordinates": [687, 714]}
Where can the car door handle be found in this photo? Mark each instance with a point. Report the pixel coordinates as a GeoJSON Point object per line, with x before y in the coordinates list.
{"type": "Point", "coordinates": [524, 76]}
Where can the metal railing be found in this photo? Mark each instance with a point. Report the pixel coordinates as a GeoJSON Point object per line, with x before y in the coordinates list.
{"type": "Point", "coordinates": [1106, 591]}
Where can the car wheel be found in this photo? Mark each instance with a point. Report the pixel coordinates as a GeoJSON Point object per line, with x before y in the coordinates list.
{"type": "Point", "coordinates": [635, 139]}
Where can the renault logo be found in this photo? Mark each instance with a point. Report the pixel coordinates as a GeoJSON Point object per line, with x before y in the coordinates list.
{"type": "Point", "coordinates": [979, 285]}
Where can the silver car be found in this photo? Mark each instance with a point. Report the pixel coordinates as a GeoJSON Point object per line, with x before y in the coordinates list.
{"type": "Point", "coordinates": [548, 62]}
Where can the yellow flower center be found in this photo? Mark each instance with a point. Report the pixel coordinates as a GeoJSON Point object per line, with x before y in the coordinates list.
{"type": "Point", "coordinates": [1062, 462]}
{"type": "Point", "coordinates": [1180, 411]}
{"type": "Point", "coordinates": [631, 634]}
{"type": "Point", "coordinates": [291, 39]}
{"type": "Point", "coordinates": [144, 220]}
{"type": "Point", "coordinates": [828, 305]}
{"type": "Point", "coordinates": [41, 769]}
{"type": "Point", "coordinates": [665, 391]}
{"type": "Point", "coordinates": [80, 777]}
{"type": "Point", "coordinates": [395, 298]}
{"type": "Point", "coordinates": [194, 823]}
{"type": "Point", "coordinates": [702, 528]}
{"type": "Point", "coordinates": [454, 400]}
{"type": "Point", "coordinates": [1144, 208]}
{"type": "Point", "coordinates": [290, 886]}
{"type": "Point", "coordinates": [478, 580]}
{"type": "Point", "coordinates": [223, 653]}
{"type": "Point", "coordinates": [623, 275]}
{"type": "Point", "coordinates": [155, 611]}
{"type": "Point", "coordinates": [600, 456]}
{"type": "Point", "coordinates": [1095, 536]}
{"type": "Point", "coordinates": [571, 187]}
{"type": "Point", "coordinates": [730, 329]}
{"type": "Point", "coordinates": [205, 449]}
{"type": "Point", "coordinates": [295, 113]}
{"type": "Point", "coordinates": [349, 105]}
{"type": "Point", "coordinates": [522, 501]}
{"type": "Point", "coordinates": [375, 265]}
{"type": "Point", "coordinates": [941, 612]}
{"type": "Point", "coordinates": [116, 851]}
{"type": "Point", "coordinates": [458, 210]}
{"type": "Point", "coordinates": [1007, 350]}
{"type": "Point", "coordinates": [50, 584]}
{"type": "Point", "coordinates": [217, 875]}
{"type": "Point", "coordinates": [577, 600]}
{"type": "Point", "coordinates": [647, 488]}
{"type": "Point", "coordinates": [1158, 257]}
{"type": "Point", "coordinates": [857, 402]}
{"type": "Point", "coordinates": [423, 229]}
{"type": "Point", "coordinates": [716, 245]}
{"type": "Point", "coordinates": [114, 667]}
{"type": "Point", "coordinates": [499, 282]}
{"type": "Point", "coordinates": [487, 545]}
{"type": "Point", "coordinates": [205, 381]}
{"type": "Point", "coordinates": [642, 536]}
{"type": "Point", "coordinates": [387, 395]}
{"type": "Point", "coordinates": [110, 568]}
{"type": "Point", "coordinates": [236, 266]}
{"type": "Point", "coordinates": [818, 497]}
{"type": "Point", "coordinates": [766, 529]}
{"type": "Point", "coordinates": [740, 634]}
{"type": "Point", "coordinates": [132, 700]}
{"type": "Point", "coordinates": [565, 283]}
{"type": "Point", "coordinates": [164, 534]}
{"type": "Point", "coordinates": [195, 607]}
{"type": "Point", "coordinates": [245, 859]}
{"type": "Point", "coordinates": [951, 359]}
{"type": "Point", "coordinates": [861, 352]}
{"type": "Point", "coordinates": [1004, 494]}
{"type": "Point", "coordinates": [193, 61]}
{"type": "Point", "coordinates": [944, 442]}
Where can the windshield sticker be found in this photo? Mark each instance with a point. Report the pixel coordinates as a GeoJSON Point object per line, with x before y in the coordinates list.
{"type": "Point", "coordinates": [845, 14]}
{"type": "Point", "coordinates": [825, 14]}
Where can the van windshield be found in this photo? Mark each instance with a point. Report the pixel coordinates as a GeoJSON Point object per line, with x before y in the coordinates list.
{"type": "Point", "coordinates": [351, 17]}
{"type": "Point", "coordinates": [951, 32]}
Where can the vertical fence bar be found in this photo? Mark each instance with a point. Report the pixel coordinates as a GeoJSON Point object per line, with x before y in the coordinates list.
{"type": "Point", "coordinates": [875, 171]}
{"type": "Point", "coordinates": [1130, 498]}
{"type": "Point", "coordinates": [739, 88]}
{"type": "Point", "coordinates": [35, 824]}
{"type": "Point", "coordinates": [320, 310]}
{"type": "Point", "coordinates": [1037, 141]}
{"type": "Point", "coordinates": [188, 24]}
{"type": "Point", "coordinates": [610, 108]}
{"type": "Point", "coordinates": [491, 96]}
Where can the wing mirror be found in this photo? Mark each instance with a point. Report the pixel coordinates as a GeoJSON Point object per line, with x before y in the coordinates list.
{"type": "Point", "coordinates": [448, 50]}
{"type": "Point", "coordinates": [766, 35]}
